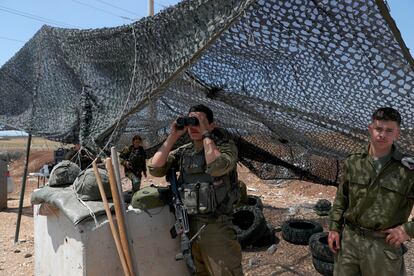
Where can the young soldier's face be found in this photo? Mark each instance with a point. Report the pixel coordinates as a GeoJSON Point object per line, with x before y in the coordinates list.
{"type": "Point", "coordinates": [136, 143]}
{"type": "Point", "coordinates": [383, 134]}
{"type": "Point", "coordinates": [195, 132]}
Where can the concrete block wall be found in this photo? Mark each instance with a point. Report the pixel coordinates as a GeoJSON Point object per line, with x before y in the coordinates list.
{"type": "Point", "coordinates": [86, 249]}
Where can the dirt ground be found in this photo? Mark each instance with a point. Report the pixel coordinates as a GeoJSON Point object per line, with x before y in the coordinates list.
{"type": "Point", "coordinates": [282, 200]}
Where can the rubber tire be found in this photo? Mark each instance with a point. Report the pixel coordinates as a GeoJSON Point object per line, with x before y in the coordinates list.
{"type": "Point", "coordinates": [298, 231]}
{"type": "Point", "coordinates": [253, 200]}
{"type": "Point", "coordinates": [249, 224]}
{"type": "Point", "coordinates": [322, 267]}
{"type": "Point", "coordinates": [268, 238]}
{"type": "Point", "coordinates": [318, 245]}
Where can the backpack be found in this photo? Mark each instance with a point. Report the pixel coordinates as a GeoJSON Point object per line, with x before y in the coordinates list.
{"type": "Point", "coordinates": [87, 187]}
{"type": "Point", "coordinates": [64, 173]}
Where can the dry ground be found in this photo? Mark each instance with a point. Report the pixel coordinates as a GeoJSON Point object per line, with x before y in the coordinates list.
{"type": "Point", "coordinates": [282, 200]}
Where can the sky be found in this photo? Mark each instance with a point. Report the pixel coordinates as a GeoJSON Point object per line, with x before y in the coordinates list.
{"type": "Point", "coordinates": [21, 19]}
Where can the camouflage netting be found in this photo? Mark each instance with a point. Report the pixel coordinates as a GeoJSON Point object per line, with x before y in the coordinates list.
{"type": "Point", "coordinates": [294, 81]}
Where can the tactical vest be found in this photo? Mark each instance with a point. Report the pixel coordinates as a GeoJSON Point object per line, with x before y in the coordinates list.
{"type": "Point", "coordinates": [202, 193]}
{"type": "Point", "coordinates": [137, 158]}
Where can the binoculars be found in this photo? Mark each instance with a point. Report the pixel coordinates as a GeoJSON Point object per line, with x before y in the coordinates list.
{"type": "Point", "coordinates": [186, 121]}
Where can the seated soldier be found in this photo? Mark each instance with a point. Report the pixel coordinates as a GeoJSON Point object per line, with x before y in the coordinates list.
{"type": "Point", "coordinates": [133, 159]}
{"type": "Point", "coordinates": [79, 155]}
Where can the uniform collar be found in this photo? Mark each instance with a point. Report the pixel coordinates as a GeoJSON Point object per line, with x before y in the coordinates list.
{"type": "Point", "coordinates": [395, 153]}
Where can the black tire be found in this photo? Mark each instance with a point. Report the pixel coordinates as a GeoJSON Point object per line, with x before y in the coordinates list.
{"type": "Point", "coordinates": [268, 238]}
{"type": "Point", "coordinates": [322, 267]}
{"type": "Point", "coordinates": [318, 245]}
{"type": "Point", "coordinates": [256, 201]}
{"type": "Point", "coordinates": [298, 231]}
{"type": "Point", "coordinates": [249, 224]}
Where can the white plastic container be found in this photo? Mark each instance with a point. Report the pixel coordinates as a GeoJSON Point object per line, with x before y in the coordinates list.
{"type": "Point", "coordinates": [10, 184]}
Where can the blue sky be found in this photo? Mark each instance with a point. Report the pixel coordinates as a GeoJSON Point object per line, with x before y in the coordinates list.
{"type": "Point", "coordinates": [21, 19]}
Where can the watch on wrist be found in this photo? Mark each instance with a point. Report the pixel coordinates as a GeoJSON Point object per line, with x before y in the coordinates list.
{"type": "Point", "coordinates": [207, 134]}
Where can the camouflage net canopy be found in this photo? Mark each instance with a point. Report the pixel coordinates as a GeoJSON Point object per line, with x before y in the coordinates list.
{"type": "Point", "coordinates": [295, 81]}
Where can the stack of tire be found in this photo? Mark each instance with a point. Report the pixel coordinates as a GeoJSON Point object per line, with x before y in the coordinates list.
{"type": "Point", "coordinates": [303, 232]}
{"type": "Point", "coordinates": [250, 224]}
{"type": "Point", "coordinates": [299, 231]}
{"type": "Point", "coordinates": [322, 257]}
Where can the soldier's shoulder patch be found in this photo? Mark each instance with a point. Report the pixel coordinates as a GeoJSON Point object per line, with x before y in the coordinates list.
{"type": "Point", "coordinates": [408, 162]}
{"type": "Point", "coordinates": [356, 153]}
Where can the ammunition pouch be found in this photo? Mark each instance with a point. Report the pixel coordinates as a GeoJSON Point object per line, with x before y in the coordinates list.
{"type": "Point", "coordinates": [207, 198]}
{"type": "Point", "coordinates": [199, 198]}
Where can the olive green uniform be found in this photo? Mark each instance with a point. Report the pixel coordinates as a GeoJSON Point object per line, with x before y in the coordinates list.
{"type": "Point", "coordinates": [372, 196]}
{"type": "Point", "coordinates": [215, 250]}
{"type": "Point", "coordinates": [136, 157]}
{"type": "Point", "coordinates": [81, 158]}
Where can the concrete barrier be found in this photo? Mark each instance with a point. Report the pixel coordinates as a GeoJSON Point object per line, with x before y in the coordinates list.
{"type": "Point", "coordinates": [86, 249]}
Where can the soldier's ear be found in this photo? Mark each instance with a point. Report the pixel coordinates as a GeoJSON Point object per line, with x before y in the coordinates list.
{"type": "Point", "coordinates": [212, 126]}
{"type": "Point", "coordinates": [370, 128]}
{"type": "Point", "coordinates": [397, 134]}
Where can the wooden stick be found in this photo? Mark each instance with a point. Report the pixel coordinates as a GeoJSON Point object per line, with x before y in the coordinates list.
{"type": "Point", "coordinates": [118, 213]}
{"type": "Point", "coordinates": [111, 222]}
{"type": "Point", "coordinates": [115, 164]}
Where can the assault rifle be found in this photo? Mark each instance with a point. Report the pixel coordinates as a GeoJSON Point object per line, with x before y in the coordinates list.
{"type": "Point", "coordinates": [181, 226]}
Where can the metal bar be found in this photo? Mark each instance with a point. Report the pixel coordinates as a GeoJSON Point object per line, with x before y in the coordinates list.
{"type": "Point", "coordinates": [3, 184]}
{"type": "Point", "coordinates": [26, 166]}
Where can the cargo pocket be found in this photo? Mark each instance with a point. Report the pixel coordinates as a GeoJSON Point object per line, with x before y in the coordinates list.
{"type": "Point", "coordinates": [395, 254]}
{"type": "Point", "coordinates": [207, 202]}
{"type": "Point", "coordinates": [190, 198]}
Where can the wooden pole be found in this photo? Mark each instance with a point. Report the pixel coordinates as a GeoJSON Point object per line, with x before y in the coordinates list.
{"type": "Point", "coordinates": [150, 7]}
{"type": "Point", "coordinates": [114, 231]}
{"type": "Point", "coordinates": [118, 213]}
{"type": "Point", "coordinates": [23, 189]}
{"type": "Point", "coordinates": [115, 163]}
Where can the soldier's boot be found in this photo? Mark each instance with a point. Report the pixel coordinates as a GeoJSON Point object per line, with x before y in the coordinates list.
{"type": "Point", "coordinates": [136, 184]}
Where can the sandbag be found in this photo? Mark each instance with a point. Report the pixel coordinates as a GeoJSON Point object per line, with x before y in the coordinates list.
{"type": "Point", "coordinates": [87, 188]}
{"type": "Point", "coordinates": [64, 173]}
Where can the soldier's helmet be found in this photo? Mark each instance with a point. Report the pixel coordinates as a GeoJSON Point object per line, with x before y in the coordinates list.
{"type": "Point", "coordinates": [87, 187]}
{"type": "Point", "coordinates": [151, 197]}
{"type": "Point", "coordinates": [64, 173]}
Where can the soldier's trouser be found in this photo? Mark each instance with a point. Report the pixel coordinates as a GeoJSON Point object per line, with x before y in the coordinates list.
{"type": "Point", "coordinates": [136, 181]}
{"type": "Point", "coordinates": [216, 251]}
{"type": "Point", "coordinates": [368, 256]}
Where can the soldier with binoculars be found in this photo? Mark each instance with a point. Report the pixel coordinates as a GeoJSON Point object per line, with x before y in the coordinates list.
{"type": "Point", "coordinates": [208, 187]}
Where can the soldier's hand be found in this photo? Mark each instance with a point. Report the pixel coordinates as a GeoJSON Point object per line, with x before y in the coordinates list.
{"type": "Point", "coordinates": [396, 236]}
{"type": "Point", "coordinates": [334, 241]}
{"type": "Point", "coordinates": [177, 133]}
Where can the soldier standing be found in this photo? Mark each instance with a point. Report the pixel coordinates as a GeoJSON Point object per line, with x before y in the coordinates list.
{"type": "Point", "coordinates": [373, 203]}
{"type": "Point", "coordinates": [208, 187]}
{"type": "Point", "coordinates": [133, 159]}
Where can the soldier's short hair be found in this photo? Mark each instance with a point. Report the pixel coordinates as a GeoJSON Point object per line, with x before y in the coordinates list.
{"type": "Point", "coordinates": [136, 137]}
{"type": "Point", "coordinates": [387, 114]}
{"type": "Point", "coordinates": [202, 108]}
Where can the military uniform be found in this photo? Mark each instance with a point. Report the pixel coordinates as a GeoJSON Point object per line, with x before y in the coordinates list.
{"type": "Point", "coordinates": [209, 192]}
{"type": "Point", "coordinates": [80, 157]}
{"type": "Point", "coordinates": [136, 157]}
{"type": "Point", "coordinates": [372, 196]}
